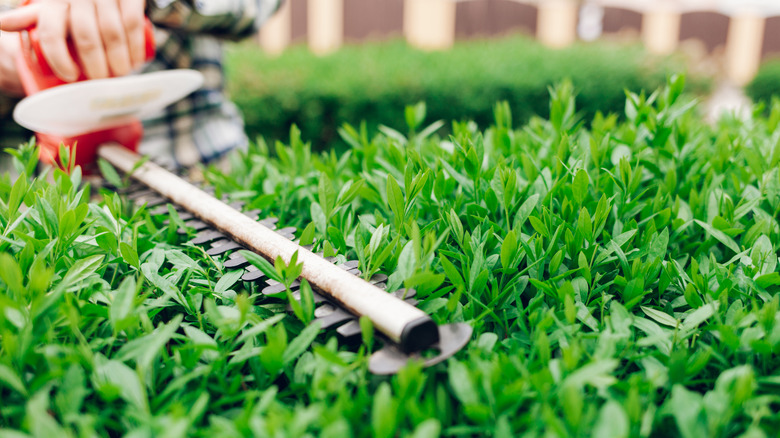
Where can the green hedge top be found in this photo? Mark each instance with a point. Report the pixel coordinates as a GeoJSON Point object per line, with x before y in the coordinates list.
{"type": "Point", "coordinates": [374, 82]}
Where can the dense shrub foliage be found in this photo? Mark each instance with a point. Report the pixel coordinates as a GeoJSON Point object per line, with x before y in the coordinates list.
{"type": "Point", "coordinates": [374, 82]}
{"type": "Point", "coordinates": [622, 280]}
{"type": "Point", "coordinates": [766, 84]}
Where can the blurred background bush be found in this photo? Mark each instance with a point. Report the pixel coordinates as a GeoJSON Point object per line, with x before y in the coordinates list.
{"type": "Point", "coordinates": [766, 84]}
{"type": "Point", "coordinates": [374, 81]}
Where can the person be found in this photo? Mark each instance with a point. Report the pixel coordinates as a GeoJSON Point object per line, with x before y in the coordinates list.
{"type": "Point", "coordinates": [108, 36]}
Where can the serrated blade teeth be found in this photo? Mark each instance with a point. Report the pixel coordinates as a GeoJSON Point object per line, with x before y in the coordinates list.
{"type": "Point", "coordinates": [328, 314]}
{"type": "Point", "coordinates": [224, 248]}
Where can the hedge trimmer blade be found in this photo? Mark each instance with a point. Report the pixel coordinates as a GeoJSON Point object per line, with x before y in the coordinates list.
{"type": "Point", "coordinates": [340, 296]}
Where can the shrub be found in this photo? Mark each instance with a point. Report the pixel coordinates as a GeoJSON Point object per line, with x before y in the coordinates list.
{"type": "Point", "coordinates": [766, 84]}
{"type": "Point", "coordinates": [621, 278]}
{"type": "Point", "coordinates": [374, 82]}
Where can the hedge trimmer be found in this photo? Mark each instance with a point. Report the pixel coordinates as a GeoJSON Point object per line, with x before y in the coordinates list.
{"type": "Point", "coordinates": [102, 116]}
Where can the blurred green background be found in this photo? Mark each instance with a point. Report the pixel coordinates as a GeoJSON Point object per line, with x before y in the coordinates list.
{"type": "Point", "coordinates": [373, 82]}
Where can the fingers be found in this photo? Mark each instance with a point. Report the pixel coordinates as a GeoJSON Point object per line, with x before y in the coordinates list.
{"type": "Point", "coordinates": [132, 15]}
{"type": "Point", "coordinates": [114, 38]}
{"type": "Point", "coordinates": [88, 40]}
{"type": "Point", "coordinates": [108, 35]}
{"type": "Point", "coordinates": [19, 19]}
{"type": "Point", "coordinates": [53, 23]}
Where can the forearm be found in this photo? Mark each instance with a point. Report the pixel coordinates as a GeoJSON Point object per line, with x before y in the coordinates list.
{"type": "Point", "coordinates": [232, 19]}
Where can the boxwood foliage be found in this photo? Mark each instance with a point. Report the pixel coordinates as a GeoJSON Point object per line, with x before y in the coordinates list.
{"type": "Point", "coordinates": [374, 82]}
{"type": "Point", "coordinates": [622, 280]}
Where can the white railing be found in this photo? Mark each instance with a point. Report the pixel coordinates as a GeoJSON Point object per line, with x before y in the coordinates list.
{"type": "Point", "coordinates": [430, 24]}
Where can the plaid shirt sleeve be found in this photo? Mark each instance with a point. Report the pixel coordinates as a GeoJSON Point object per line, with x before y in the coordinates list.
{"type": "Point", "coordinates": [205, 125]}
{"type": "Point", "coordinates": [231, 19]}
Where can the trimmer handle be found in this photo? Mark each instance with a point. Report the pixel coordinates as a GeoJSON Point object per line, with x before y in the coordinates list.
{"type": "Point", "coordinates": [36, 75]}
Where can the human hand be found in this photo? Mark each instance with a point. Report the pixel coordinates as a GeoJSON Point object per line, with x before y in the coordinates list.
{"type": "Point", "coordinates": [108, 35]}
{"type": "Point", "coordinates": [9, 78]}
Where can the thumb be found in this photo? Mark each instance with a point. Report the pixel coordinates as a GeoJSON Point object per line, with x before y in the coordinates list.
{"type": "Point", "coordinates": [19, 19]}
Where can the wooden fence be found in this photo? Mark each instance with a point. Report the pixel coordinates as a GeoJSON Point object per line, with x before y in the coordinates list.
{"type": "Point", "coordinates": [742, 35]}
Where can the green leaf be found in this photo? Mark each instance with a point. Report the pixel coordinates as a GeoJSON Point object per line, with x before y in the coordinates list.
{"type": "Point", "coordinates": [301, 342]}
{"type": "Point", "coordinates": [425, 282]}
{"type": "Point", "coordinates": [146, 348]}
{"type": "Point", "coordinates": [227, 281]}
{"type": "Point", "coordinates": [326, 195]}
{"type": "Point", "coordinates": [307, 301]}
{"type": "Point", "coordinates": [658, 246]}
{"type": "Point", "coordinates": [460, 381]}
{"type": "Point", "coordinates": [259, 328]}
{"type": "Point", "coordinates": [456, 225]}
{"type": "Point", "coordinates": [179, 260]}
{"type": "Point", "coordinates": [585, 224]}
{"type": "Point", "coordinates": [262, 264]}
{"type": "Point", "coordinates": [720, 236]}
{"type": "Point", "coordinates": [318, 217]}
{"type": "Point", "coordinates": [39, 419]}
{"type": "Point", "coordinates": [377, 237]}
{"type": "Point", "coordinates": [660, 317]}
{"type": "Point", "coordinates": [11, 274]}
{"type": "Point", "coordinates": [307, 235]}
{"type": "Point", "coordinates": [129, 254]}
{"type": "Point", "coordinates": [383, 412]}
{"type": "Point", "coordinates": [113, 375]}
{"type": "Point", "coordinates": [10, 379]}
{"type": "Point", "coordinates": [79, 272]}
{"type": "Point", "coordinates": [509, 250]}
{"type": "Point", "coordinates": [109, 173]}
{"type": "Point", "coordinates": [395, 198]}
{"type": "Point", "coordinates": [430, 428]}
{"type": "Point", "coordinates": [106, 240]}
{"type": "Point", "coordinates": [525, 211]}
{"type": "Point", "coordinates": [686, 407]}
{"type": "Point", "coordinates": [555, 262]}
{"type": "Point", "coordinates": [692, 296]}
{"type": "Point", "coordinates": [768, 280]}
{"type": "Point", "coordinates": [539, 226]}
{"type": "Point", "coordinates": [452, 273]}
{"type": "Point", "coordinates": [699, 315]}
{"type": "Point", "coordinates": [612, 421]}
{"type": "Point", "coordinates": [597, 374]}
{"type": "Point", "coordinates": [201, 339]}
{"type": "Point", "coordinates": [18, 192]}
{"type": "Point", "coordinates": [406, 261]}
{"type": "Point", "coordinates": [123, 304]}
{"type": "Point", "coordinates": [366, 330]}
{"type": "Point", "coordinates": [580, 186]}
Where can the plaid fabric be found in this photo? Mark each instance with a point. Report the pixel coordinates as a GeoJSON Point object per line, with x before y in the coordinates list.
{"type": "Point", "coordinates": [189, 34]}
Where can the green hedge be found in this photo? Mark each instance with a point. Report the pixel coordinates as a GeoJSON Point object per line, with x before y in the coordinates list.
{"type": "Point", "coordinates": [766, 83]}
{"type": "Point", "coordinates": [374, 82]}
{"type": "Point", "coordinates": [621, 278]}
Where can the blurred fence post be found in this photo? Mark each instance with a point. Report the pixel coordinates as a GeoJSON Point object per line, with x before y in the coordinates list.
{"type": "Point", "coordinates": [661, 29]}
{"type": "Point", "coordinates": [276, 33]}
{"type": "Point", "coordinates": [325, 25]}
{"type": "Point", "coordinates": [743, 46]}
{"type": "Point", "coordinates": [429, 24]}
{"type": "Point", "coordinates": [557, 23]}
